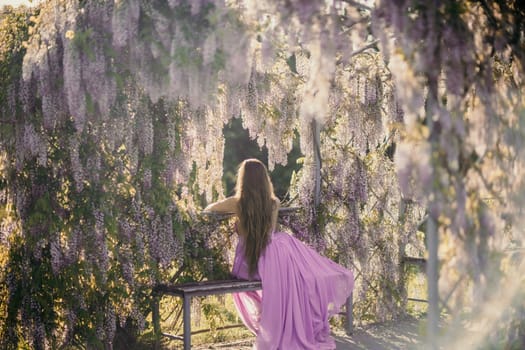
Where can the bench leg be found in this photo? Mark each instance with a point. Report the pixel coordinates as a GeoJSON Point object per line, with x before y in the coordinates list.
{"type": "Point", "coordinates": [349, 314]}
{"type": "Point", "coordinates": [186, 319]}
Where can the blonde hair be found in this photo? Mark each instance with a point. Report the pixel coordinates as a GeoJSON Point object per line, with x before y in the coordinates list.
{"type": "Point", "coordinates": [256, 203]}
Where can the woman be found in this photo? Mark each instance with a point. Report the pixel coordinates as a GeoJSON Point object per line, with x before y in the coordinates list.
{"type": "Point", "coordinates": [300, 288]}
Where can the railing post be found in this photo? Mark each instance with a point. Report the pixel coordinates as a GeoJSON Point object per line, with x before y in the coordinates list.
{"type": "Point", "coordinates": [155, 317]}
{"type": "Point", "coordinates": [401, 253]}
{"type": "Point", "coordinates": [349, 322]}
{"type": "Point", "coordinates": [432, 234]}
{"type": "Point", "coordinates": [316, 135]}
{"type": "Point", "coordinates": [433, 277]}
{"type": "Point", "coordinates": [186, 320]}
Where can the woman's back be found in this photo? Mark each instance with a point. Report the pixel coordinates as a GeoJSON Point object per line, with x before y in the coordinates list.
{"type": "Point", "coordinates": [256, 206]}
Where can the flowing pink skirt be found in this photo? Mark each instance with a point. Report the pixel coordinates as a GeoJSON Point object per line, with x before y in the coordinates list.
{"type": "Point", "coordinates": [300, 291]}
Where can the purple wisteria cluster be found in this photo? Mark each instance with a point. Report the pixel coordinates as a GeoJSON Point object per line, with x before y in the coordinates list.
{"type": "Point", "coordinates": [163, 244]}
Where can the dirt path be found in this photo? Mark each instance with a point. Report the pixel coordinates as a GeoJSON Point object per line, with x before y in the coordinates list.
{"type": "Point", "coordinates": [400, 334]}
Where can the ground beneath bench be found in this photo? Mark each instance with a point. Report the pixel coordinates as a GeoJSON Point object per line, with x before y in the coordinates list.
{"type": "Point", "coordinates": [400, 334]}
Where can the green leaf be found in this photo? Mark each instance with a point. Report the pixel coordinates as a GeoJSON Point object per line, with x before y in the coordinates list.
{"type": "Point", "coordinates": [292, 63]}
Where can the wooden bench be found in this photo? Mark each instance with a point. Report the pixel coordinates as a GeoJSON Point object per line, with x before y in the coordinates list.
{"type": "Point", "coordinates": [188, 290]}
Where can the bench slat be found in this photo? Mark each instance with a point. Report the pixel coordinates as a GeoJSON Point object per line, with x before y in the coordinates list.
{"type": "Point", "coordinates": [208, 287]}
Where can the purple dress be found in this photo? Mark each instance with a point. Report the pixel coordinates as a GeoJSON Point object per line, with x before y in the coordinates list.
{"type": "Point", "coordinates": [300, 291]}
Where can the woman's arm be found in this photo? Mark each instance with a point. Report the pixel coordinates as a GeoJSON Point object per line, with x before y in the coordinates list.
{"type": "Point", "coordinates": [228, 205]}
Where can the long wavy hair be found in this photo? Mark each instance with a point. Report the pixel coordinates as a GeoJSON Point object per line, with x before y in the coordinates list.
{"type": "Point", "coordinates": [256, 201]}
